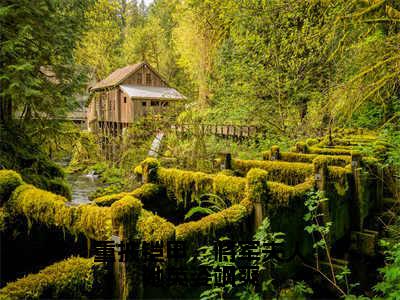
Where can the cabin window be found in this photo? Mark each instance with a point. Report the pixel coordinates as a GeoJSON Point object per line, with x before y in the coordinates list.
{"type": "Point", "coordinates": [124, 99]}
{"type": "Point", "coordinates": [144, 103]}
{"type": "Point", "coordinates": [139, 78]}
{"type": "Point", "coordinates": [148, 79]}
{"type": "Point", "coordinates": [154, 103]}
{"type": "Point", "coordinates": [164, 104]}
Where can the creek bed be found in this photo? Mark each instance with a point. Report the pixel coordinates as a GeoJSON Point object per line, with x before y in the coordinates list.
{"type": "Point", "coordinates": [82, 186]}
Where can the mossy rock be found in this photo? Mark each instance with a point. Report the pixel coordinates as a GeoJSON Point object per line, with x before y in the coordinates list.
{"type": "Point", "coordinates": [9, 181]}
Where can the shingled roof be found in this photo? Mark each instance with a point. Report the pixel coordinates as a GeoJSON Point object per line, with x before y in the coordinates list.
{"type": "Point", "coordinates": [119, 75]}
{"type": "Point", "coordinates": [116, 77]}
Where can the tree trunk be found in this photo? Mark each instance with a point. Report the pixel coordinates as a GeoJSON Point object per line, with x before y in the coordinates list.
{"type": "Point", "coordinates": [5, 110]}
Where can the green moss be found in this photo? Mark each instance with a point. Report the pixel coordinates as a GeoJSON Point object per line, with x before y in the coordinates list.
{"type": "Point", "coordinates": [60, 187]}
{"type": "Point", "coordinates": [107, 200]}
{"type": "Point", "coordinates": [153, 228]}
{"type": "Point", "coordinates": [149, 169]}
{"type": "Point", "coordinates": [125, 214]}
{"type": "Point", "coordinates": [2, 219]}
{"type": "Point", "coordinates": [302, 147]}
{"type": "Point", "coordinates": [125, 210]}
{"type": "Point", "coordinates": [286, 172]}
{"type": "Point", "coordinates": [257, 185]}
{"type": "Point", "coordinates": [72, 278]}
{"type": "Point", "coordinates": [9, 181]}
{"type": "Point", "coordinates": [138, 170]}
{"type": "Point", "coordinates": [208, 226]}
{"type": "Point", "coordinates": [147, 192]}
{"type": "Point", "coordinates": [329, 151]}
{"type": "Point", "coordinates": [229, 187]}
{"type": "Point", "coordinates": [94, 222]}
{"type": "Point", "coordinates": [311, 142]}
{"type": "Point", "coordinates": [50, 209]}
{"type": "Point", "coordinates": [186, 186]}
{"type": "Point", "coordinates": [280, 194]}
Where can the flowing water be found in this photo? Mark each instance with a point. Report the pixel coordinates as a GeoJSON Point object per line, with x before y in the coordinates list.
{"type": "Point", "coordinates": [82, 186]}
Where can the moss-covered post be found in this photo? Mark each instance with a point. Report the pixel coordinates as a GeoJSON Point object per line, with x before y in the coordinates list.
{"type": "Point", "coordinates": [357, 205]}
{"type": "Point", "coordinates": [301, 147]}
{"type": "Point", "coordinates": [275, 153]}
{"type": "Point", "coordinates": [379, 188]}
{"type": "Point", "coordinates": [125, 214]}
{"type": "Point", "coordinates": [321, 184]}
{"type": "Point", "coordinates": [226, 161]}
{"type": "Point", "coordinates": [257, 192]}
{"type": "Point", "coordinates": [149, 170]}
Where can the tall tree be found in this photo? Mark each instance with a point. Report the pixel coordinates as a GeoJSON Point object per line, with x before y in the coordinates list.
{"type": "Point", "coordinates": [100, 47]}
{"type": "Point", "coordinates": [38, 73]}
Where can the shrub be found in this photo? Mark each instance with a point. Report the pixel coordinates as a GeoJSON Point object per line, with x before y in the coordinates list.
{"type": "Point", "coordinates": [9, 181]}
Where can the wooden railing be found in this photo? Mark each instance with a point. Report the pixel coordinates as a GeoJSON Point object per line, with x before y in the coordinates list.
{"type": "Point", "coordinates": [221, 130]}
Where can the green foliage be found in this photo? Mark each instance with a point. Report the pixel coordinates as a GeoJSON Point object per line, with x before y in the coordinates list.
{"type": "Point", "coordinates": [211, 204]}
{"type": "Point", "coordinates": [9, 181]}
{"type": "Point", "coordinates": [74, 277]}
{"type": "Point", "coordinates": [38, 71]}
{"type": "Point", "coordinates": [388, 287]}
{"type": "Point", "coordinates": [85, 152]}
{"type": "Point", "coordinates": [60, 187]}
{"type": "Point", "coordinates": [24, 154]}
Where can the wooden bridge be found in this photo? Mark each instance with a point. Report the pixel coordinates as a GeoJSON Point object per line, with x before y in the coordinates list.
{"type": "Point", "coordinates": [237, 131]}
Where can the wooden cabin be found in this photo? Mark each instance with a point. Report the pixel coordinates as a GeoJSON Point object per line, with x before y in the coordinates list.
{"type": "Point", "coordinates": [128, 94]}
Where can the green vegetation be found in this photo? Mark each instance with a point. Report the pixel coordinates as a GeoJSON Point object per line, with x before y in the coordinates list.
{"type": "Point", "coordinates": [9, 181]}
{"type": "Point", "coordinates": [320, 76]}
{"type": "Point", "coordinates": [51, 210]}
{"type": "Point", "coordinates": [75, 277]}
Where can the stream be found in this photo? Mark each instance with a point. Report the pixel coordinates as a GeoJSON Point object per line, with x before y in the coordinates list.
{"type": "Point", "coordinates": [82, 185]}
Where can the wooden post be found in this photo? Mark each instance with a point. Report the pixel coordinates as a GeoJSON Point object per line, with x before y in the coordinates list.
{"type": "Point", "coordinates": [226, 161]}
{"type": "Point", "coordinates": [357, 205]}
{"type": "Point", "coordinates": [321, 184]}
{"type": "Point", "coordinates": [275, 153]}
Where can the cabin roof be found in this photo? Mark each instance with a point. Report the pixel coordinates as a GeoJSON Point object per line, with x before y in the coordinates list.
{"type": "Point", "coordinates": [151, 92]}
{"type": "Point", "coordinates": [119, 75]}
{"type": "Point", "coordinates": [116, 77]}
